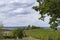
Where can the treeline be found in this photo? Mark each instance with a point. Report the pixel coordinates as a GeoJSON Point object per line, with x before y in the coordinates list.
{"type": "Point", "coordinates": [34, 27]}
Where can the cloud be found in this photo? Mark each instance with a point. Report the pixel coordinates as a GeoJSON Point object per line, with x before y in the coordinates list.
{"type": "Point", "coordinates": [2, 17]}
{"type": "Point", "coordinates": [21, 20]}
{"type": "Point", "coordinates": [19, 13]}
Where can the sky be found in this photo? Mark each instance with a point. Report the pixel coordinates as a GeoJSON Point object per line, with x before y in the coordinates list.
{"type": "Point", "coordinates": [20, 13]}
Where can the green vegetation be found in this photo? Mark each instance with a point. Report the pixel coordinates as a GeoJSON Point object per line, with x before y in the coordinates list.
{"type": "Point", "coordinates": [44, 34]}
{"type": "Point", "coordinates": [33, 27]}
{"type": "Point", "coordinates": [1, 30]}
{"type": "Point", "coordinates": [17, 33]}
{"type": "Point", "coordinates": [34, 32]}
{"type": "Point", "coordinates": [50, 8]}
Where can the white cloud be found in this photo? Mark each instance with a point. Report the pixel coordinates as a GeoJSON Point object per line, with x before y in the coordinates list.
{"type": "Point", "coordinates": [2, 17]}
{"type": "Point", "coordinates": [18, 12]}
{"type": "Point", "coordinates": [22, 19]}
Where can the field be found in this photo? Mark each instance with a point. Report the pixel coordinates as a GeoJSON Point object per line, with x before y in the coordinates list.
{"type": "Point", "coordinates": [44, 34]}
{"type": "Point", "coordinates": [40, 34]}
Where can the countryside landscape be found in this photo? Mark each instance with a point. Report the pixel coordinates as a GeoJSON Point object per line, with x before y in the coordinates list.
{"type": "Point", "coordinates": [29, 33]}
{"type": "Point", "coordinates": [29, 19]}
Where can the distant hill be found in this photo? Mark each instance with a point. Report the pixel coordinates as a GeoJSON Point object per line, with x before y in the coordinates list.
{"type": "Point", "coordinates": [12, 28]}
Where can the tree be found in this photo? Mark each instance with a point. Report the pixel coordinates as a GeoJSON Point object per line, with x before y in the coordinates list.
{"type": "Point", "coordinates": [50, 8]}
{"type": "Point", "coordinates": [35, 27]}
{"type": "Point", "coordinates": [28, 27]}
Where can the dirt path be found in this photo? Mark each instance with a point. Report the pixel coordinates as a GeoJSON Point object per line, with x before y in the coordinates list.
{"type": "Point", "coordinates": [30, 38]}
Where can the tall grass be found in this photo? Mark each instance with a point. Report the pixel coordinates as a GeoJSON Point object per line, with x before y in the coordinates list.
{"type": "Point", "coordinates": [44, 34]}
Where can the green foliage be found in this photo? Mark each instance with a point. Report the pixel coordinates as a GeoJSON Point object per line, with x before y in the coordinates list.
{"type": "Point", "coordinates": [35, 27]}
{"type": "Point", "coordinates": [44, 34]}
{"type": "Point", "coordinates": [17, 33]}
{"type": "Point", "coordinates": [52, 9]}
{"type": "Point", "coordinates": [29, 27]}
{"type": "Point", "coordinates": [1, 30]}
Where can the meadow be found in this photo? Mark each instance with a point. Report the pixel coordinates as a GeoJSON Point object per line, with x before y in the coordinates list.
{"type": "Point", "coordinates": [44, 34]}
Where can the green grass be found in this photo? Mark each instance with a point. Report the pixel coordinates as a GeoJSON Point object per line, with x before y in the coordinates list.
{"type": "Point", "coordinates": [44, 34]}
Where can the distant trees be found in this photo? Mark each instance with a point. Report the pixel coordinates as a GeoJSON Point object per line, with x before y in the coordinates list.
{"type": "Point", "coordinates": [28, 27]}
{"type": "Point", "coordinates": [33, 27]}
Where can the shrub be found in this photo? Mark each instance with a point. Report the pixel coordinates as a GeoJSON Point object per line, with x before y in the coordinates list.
{"type": "Point", "coordinates": [18, 33]}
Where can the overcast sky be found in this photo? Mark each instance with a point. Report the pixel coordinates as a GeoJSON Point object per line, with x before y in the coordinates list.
{"type": "Point", "coordinates": [20, 13]}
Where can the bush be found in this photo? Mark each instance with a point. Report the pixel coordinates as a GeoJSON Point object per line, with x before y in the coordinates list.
{"type": "Point", "coordinates": [18, 33]}
{"type": "Point", "coordinates": [8, 37]}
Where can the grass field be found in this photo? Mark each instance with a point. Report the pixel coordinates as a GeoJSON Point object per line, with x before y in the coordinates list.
{"type": "Point", "coordinates": [44, 34]}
